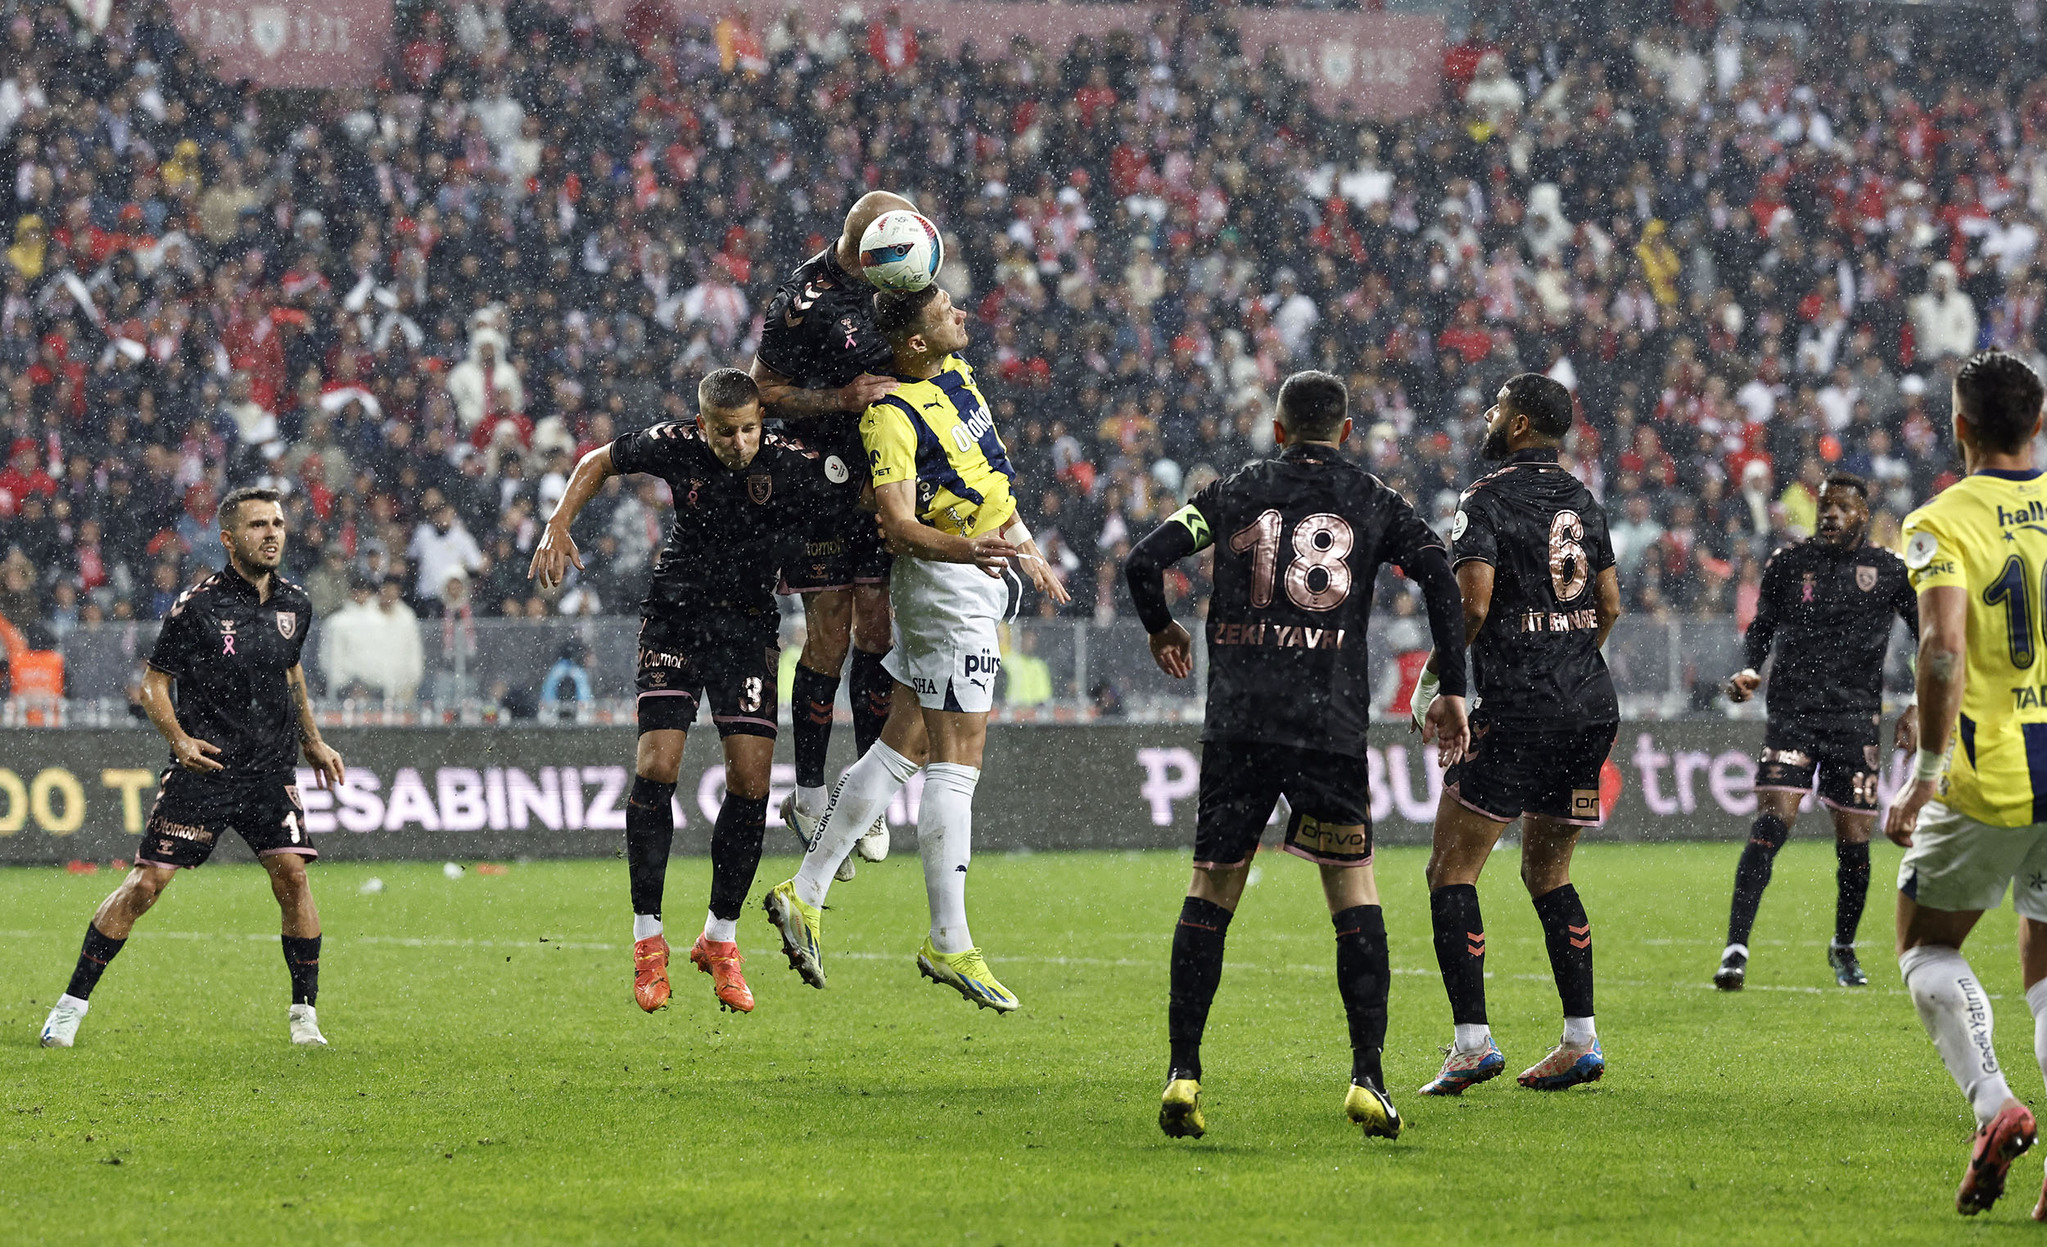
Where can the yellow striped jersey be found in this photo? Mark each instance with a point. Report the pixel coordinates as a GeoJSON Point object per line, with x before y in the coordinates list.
{"type": "Point", "coordinates": [1987, 535]}
{"type": "Point", "coordinates": [940, 434]}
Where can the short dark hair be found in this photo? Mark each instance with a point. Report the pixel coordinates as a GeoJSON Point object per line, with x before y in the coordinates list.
{"type": "Point", "coordinates": [896, 315]}
{"type": "Point", "coordinates": [230, 506]}
{"type": "Point", "coordinates": [2000, 398]}
{"type": "Point", "coordinates": [1846, 480]}
{"type": "Point", "coordinates": [1313, 405]}
{"type": "Point", "coordinates": [1544, 400]}
{"type": "Point", "coordinates": [727, 389]}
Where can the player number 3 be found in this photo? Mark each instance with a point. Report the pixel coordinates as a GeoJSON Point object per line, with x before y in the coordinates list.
{"type": "Point", "coordinates": [1321, 541]}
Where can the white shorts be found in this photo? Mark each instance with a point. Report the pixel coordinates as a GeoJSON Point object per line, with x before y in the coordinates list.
{"type": "Point", "coordinates": [1957, 863]}
{"type": "Point", "coordinates": [946, 646]}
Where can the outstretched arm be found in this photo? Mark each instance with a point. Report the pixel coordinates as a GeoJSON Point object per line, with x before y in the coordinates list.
{"type": "Point", "coordinates": [556, 549]}
{"type": "Point", "coordinates": [789, 400]}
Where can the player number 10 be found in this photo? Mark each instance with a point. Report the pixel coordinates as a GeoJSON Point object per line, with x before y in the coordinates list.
{"type": "Point", "coordinates": [2013, 587]}
{"type": "Point", "coordinates": [1322, 540]}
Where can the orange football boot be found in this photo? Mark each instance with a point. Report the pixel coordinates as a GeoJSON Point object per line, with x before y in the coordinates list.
{"type": "Point", "coordinates": [650, 973]}
{"type": "Point", "coordinates": [720, 960]}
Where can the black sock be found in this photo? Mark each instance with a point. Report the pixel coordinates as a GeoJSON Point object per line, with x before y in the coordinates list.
{"type": "Point", "coordinates": [810, 712]}
{"type": "Point", "coordinates": [1460, 950]}
{"type": "Point", "coordinates": [1362, 975]}
{"type": "Point", "coordinates": [93, 957]}
{"type": "Point", "coordinates": [870, 694]}
{"type": "Point", "coordinates": [649, 831]}
{"type": "Point", "coordinates": [1753, 874]}
{"type": "Point", "coordinates": [1851, 888]}
{"type": "Point", "coordinates": [736, 852]}
{"type": "Point", "coordinates": [1568, 932]}
{"type": "Point", "coordinates": [302, 958]}
{"type": "Point", "coordinates": [1197, 969]}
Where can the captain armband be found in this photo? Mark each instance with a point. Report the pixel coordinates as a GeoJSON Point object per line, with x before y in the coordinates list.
{"type": "Point", "coordinates": [1190, 518]}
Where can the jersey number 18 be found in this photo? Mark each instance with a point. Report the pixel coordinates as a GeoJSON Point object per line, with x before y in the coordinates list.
{"type": "Point", "coordinates": [1322, 542]}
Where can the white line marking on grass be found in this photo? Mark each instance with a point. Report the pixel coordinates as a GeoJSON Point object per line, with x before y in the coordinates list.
{"type": "Point", "coordinates": [1114, 963]}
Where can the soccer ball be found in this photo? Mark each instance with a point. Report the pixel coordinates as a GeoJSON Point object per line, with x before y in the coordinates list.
{"type": "Point", "coordinates": [901, 252]}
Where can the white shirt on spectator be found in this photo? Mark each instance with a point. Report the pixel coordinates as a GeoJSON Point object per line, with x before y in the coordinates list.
{"type": "Point", "coordinates": [1758, 399]}
{"type": "Point", "coordinates": [1944, 318]}
{"type": "Point", "coordinates": [439, 555]}
{"type": "Point", "coordinates": [363, 643]}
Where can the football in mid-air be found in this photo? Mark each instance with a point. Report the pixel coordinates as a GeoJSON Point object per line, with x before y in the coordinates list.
{"type": "Point", "coordinates": [901, 251]}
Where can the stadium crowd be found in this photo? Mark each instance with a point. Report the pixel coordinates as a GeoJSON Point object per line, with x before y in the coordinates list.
{"type": "Point", "coordinates": [413, 307]}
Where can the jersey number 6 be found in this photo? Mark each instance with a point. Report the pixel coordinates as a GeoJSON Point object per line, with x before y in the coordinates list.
{"type": "Point", "coordinates": [1567, 571]}
{"type": "Point", "coordinates": [1321, 541]}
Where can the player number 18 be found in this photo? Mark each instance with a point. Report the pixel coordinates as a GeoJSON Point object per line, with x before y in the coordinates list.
{"type": "Point", "coordinates": [1322, 540]}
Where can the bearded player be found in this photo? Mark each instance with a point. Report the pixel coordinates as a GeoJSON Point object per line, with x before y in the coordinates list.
{"type": "Point", "coordinates": [1536, 569]}
{"type": "Point", "coordinates": [1827, 604]}
{"type": "Point", "coordinates": [231, 650]}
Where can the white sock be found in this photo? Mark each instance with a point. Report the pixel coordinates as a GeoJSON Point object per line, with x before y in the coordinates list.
{"type": "Point", "coordinates": [79, 1001]}
{"type": "Point", "coordinates": [945, 840]}
{"type": "Point", "coordinates": [645, 925]}
{"type": "Point", "coordinates": [812, 800]}
{"type": "Point", "coordinates": [864, 793]}
{"type": "Point", "coordinates": [1579, 1032]}
{"type": "Point", "coordinates": [2036, 1000]}
{"type": "Point", "coordinates": [1471, 1036]}
{"type": "Point", "coordinates": [720, 930]}
{"type": "Point", "coordinates": [1956, 1013]}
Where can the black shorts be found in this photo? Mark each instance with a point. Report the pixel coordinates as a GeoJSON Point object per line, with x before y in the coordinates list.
{"type": "Point", "coordinates": [679, 667]}
{"type": "Point", "coordinates": [842, 549]}
{"type": "Point", "coordinates": [191, 812]}
{"type": "Point", "coordinates": [1515, 769]}
{"type": "Point", "coordinates": [1241, 781]}
{"type": "Point", "coordinates": [1846, 750]}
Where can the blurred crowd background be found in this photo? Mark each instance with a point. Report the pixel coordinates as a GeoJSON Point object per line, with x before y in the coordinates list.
{"type": "Point", "coordinates": [1754, 251]}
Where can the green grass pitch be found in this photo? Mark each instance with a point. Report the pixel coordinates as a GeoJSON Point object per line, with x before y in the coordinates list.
{"type": "Point", "coordinates": [491, 1082]}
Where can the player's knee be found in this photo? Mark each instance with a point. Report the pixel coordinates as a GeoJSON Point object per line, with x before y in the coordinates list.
{"type": "Point", "coordinates": [142, 886]}
{"type": "Point", "coordinates": [871, 624]}
{"type": "Point", "coordinates": [659, 758]}
{"type": "Point", "coordinates": [748, 784]}
{"type": "Point", "coordinates": [1769, 833]}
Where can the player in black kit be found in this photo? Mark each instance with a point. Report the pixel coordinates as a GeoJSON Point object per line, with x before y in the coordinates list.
{"type": "Point", "coordinates": [1298, 542]}
{"type": "Point", "coordinates": [1540, 595]}
{"type": "Point", "coordinates": [707, 630]}
{"type": "Point", "coordinates": [820, 364]}
{"type": "Point", "coordinates": [1827, 602]}
{"type": "Point", "coordinates": [231, 646]}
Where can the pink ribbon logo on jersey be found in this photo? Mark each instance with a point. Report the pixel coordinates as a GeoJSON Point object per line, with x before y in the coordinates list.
{"type": "Point", "coordinates": [227, 637]}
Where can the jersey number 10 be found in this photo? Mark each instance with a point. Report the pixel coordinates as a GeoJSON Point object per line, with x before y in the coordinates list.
{"type": "Point", "coordinates": [2013, 588]}
{"type": "Point", "coordinates": [1320, 541]}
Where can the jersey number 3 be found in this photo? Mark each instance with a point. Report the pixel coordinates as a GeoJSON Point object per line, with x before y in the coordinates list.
{"type": "Point", "coordinates": [1321, 542]}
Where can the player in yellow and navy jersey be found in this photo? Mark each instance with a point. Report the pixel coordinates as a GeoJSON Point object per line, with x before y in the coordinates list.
{"type": "Point", "coordinates": [939, 434]}
{"type": "Point", "coordinates": [944, 502]}
{"type": "Point", "coordinates": [1974, 821]}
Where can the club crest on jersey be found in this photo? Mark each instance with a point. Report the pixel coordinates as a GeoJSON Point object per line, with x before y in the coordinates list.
{"type": "Point", "coordinates": [758, 487]}
{"type": "Point", "coordinates": [287, 623]}
{"type": "Point", "coordinates": [1865, 578]}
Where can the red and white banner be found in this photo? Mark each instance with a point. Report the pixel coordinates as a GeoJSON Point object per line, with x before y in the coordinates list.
{"type": "Point", "coordinates": [1384, 64]}
{"type": "Point", "coordinates": [290, 43]}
